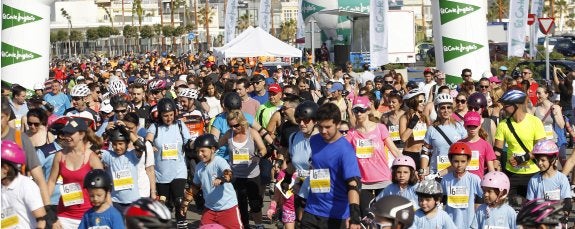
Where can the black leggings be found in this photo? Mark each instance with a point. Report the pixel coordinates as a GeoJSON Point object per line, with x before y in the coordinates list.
{"type": "Point", "coordinates": [249, 194]}
{"type": "Point", "coordinates": [174, 193]}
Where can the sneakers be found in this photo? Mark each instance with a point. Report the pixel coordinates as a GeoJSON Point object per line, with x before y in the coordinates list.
{"type": "Point", "coordinates": [182, 225]}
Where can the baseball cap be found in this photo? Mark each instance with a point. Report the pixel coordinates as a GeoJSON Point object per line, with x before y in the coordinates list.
{"type": "Point", "coordinates": [80, 78]}
{"type": "Point", "coordinates": [472, 118]}
{"type": "Point", "coordinates": [69, 125]}
{"type": "Point", "coordinates": [427, 70]}
{"type": "Point", "coordinates": [275, 88]}
{"type": "Point", "coordinates": [279, 67]}
{"type": "Point", "coordinates": [336, 86]}
{"type": "Point", "coordinates": [361, 102]}
{"type": "Point", "coordinates": [503, 68]}
{"type": "Point", "coordinates": [487, 74]}
{"type": "Point", "coordinates": [106, 107]}
{"type": "Point", "coordinates": [494, 79]}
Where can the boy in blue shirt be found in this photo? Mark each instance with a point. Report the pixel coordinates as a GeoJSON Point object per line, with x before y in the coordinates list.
{"type": "Point", "coordinates": [461, 187]}
{"type": "Point", "coordinates": [430, 214]}
{"type": "Point", "coordinates": [102, 214]}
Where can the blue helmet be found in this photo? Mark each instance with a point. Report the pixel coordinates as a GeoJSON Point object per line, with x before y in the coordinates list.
{"type": "Point", "coordinates": [513, 97]}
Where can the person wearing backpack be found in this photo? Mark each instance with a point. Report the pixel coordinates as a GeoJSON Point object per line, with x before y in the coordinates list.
{"type": "Point", "coordinates": [170, 138]}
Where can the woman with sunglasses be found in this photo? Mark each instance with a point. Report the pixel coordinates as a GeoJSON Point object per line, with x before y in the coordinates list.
{"type": "Point", "coordinates": [246, 147]}
{"type": "Point", "coordinates": [371, 142]}
{"type": "Point", "coordinates": [413, 124]}
{"type": "Point", "coordinates": [72, 164]}
{"type": "Point", "coordinates": [460, 106]}
{"type": "Point", "coordinates": [37, 130]}
{"type": "Point", "coordinates": [438, 138]}
{"type": "Point", "coordinates": [430, 107]}
{"type": "Point", "coordinates": [552, 118]}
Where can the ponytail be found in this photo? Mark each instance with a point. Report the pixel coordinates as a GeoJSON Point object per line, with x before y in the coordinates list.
{"type": "Point", "coordinates": [91, 137]}
{"type": "Point", "coordinates": [482, 133]}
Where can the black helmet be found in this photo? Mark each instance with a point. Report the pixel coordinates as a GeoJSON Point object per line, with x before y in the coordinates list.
{"type": "Point", "coordinates": [206, 140]}
{"type": "Point", "coordinates": [396, 208]}
{"type": "Point", "coordinates": [98, 178]}
{"type": "Point", "coordinates": [166, 105]}
{"type": "Point", "coordinates": [307, 109]}
{"type": "Point", "coordinates": [477, 99]}
{"type": "Point", "coordinates": [147, 213]}
{"type": "Point", "coordinates": [232, 101]}
{"type": "Point", "coordinates": [117, 135]}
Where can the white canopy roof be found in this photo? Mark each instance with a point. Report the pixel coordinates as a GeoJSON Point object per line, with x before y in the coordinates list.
{"type": "Point", "coordinates": [256, 42]}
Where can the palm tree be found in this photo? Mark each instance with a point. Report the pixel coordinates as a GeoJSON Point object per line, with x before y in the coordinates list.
{"type": "Point", "coordinates": [288, 30]}
{"type": "Point", "coordinates": [206, 15]}
{"type": "Point", "coordinates": [498, 10]}
{"type": "Point", "coordinates": [69, 19]}
{"type": "Point", "coordinates": [561, 8]}
{"type": "Point", "coordinates": [244, 22]}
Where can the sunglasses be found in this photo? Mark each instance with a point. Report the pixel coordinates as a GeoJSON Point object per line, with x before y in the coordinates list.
{"type": "Point", "coordinates": [99, 92]}
{"type": "Point", "coordinates": [305, 120]}
{"type": "Point", "coordinates": [344, 132]}
{"type": "Point", "coordinates": [474, 108]}
{"type": "Point", "coordinates": [121, 111]}
{"type": "Point", "coordinates": [36, 124]}
{"type": "Point", "coordinates": [155, 92]}
{"type": "Point", "coordinates": [445, 108]}
{"type": "Point", "coordinates": [421, 101]}
{"type": "Point", "coordinates": [484, 86]}
{"type": "Point", "coordinates": [388, 82]}
{"type": "Point", "coordinates": [235, 126]}
{"type": "Point", "coordinates": [462, 101]}
{"type": "Point", "coordinates": [358, 110]}
{"type": "Point", "coordinates": [76, 98]}
{"type": "Point", "coordinates": [466, 75]}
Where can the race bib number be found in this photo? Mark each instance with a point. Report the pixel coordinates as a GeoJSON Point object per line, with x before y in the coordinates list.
{"type": "Point", "coordinates": [72, 194]}
{"type": "Point", "coordinates": [458, 197]}
{"type": "Point", "coordinates": [303, 174]}
{"type": "Point", "coordinates": [60, 180]}
{"type": "Point", "coordinates": [170, 151]}
{"type": "Point", "coordinates": [549, 131]}
{"type": "Point", "coordinates": [123, 180]}
{"type": "Point", "coordinates": [474, 163]}
{"type": "Point", "coordinates": [419, 131]}
{"type": "Point", "coordinates": [443, 162]}
{"type": "Point", "coordinates": [552, 195]}
{"type": "Point", "coordinates": [9, 218]}
{"type": "Point", "coordinates": [241, 156]}
{"type": "Point", "coordinates": [18, 122]}
{"type": "Point", "coordinates": [364, 148]}
{"type": "Point", "coordinates": [394, 133]}
{"type": "Point", "coordinates": [320, 181]}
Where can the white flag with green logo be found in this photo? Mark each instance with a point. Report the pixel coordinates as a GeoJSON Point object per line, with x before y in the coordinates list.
{"type": "Point", "coordinates": [231, 20]}
{"type": "Point", "coordinates": [517, 25]}
{"type": "Point", "coordinates": [264, 15]}
{"type": "Point", "coordinates": [537, 9]}
{"type": "Point", "coordinates": [378, 27]}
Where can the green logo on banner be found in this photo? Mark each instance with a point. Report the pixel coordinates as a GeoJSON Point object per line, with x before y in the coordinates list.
{"type": "Point", "coordinates": [14, 17]}
{"type": "Point", "coordinates": [453, 48]}
{"type": "Point", "coordinates": [309, 8]}
{"type": "Point", "coordinates": [14, 55]}
{"type": "Point", "coordinates": [450, 11]}
{"type": "Point", "coordinates": [453, 81]}
{"type": "Point", "coordinates": [354, 5]}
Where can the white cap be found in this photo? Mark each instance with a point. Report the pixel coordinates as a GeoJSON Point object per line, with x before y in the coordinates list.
{"type": "Point", "coordinates": [38, 86]}
{"type": "Point", "coordinates": [106, 106]}
{"type": "Point", "coordinates": [183, 78]}
{"type": "Point", "coordinates": [487, 74]}
{"type": "Point", "coordinates": [279, 66]}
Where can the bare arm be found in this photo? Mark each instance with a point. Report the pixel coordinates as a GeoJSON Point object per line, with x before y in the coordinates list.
{"type": "Point", "coordinates": [38, 176]}
{"type": "Point", "coordinates": [40, 212]}
{"type": "Point", "coordinates": [95, 161]}
{"type": "Point", "coordinates": [404, 132]}
{"type": "Point", "coordinates": [152, 177]}
{"type": "Point", "coordinates": [259, 143]}
{"type": "Point", "coordinates": [490, 166]}
{"type": "Point", "coordinates": [215, 132]}
{"type": "Point", "coordinates": [391, 146]}
{"type": "Point", "coordinates": [557, 114]}
{"type": "Point", "coordinates": [54, 173]}
{"type": "Point", "coordinates": [274, 123]}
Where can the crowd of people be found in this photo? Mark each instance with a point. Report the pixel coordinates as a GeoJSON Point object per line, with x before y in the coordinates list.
{"type": "Point", "coordinates": [137, 141]}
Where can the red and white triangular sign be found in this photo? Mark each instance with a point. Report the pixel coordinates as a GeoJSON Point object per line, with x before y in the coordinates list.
{"type": "Point", "coordinates": [545, 24]}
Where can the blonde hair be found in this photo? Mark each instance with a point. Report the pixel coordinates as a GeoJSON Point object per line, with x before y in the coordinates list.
{"type": "Point", "coordinates": [238, 115]}
{"type": "Point", "coordinates": [91, 137]}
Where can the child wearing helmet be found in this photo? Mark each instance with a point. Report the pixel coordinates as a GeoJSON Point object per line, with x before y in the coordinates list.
{"type": "Point", "coordinates": [461, 187]}
{"type": "Point", "coordinates": [541, 213]}
{"type": "Point", "coordinates": [548, 184]}
{"type": "Point", "coordinates": [430, 214]}
{"type": "Point", "coordinates": [495, 212]}
{"type": "Point", "coordinates": [404, 180]}
{"type": "Point", "coordinates": [102, 215]}
{"type": "Point", "coordinates": [122, 166]}
{"type": "Point", "coordinates": [213, 176]}
{"type": "Point", "coordinates": [392, 212]}
{"type": "Point", "coordinates": [22, 207]}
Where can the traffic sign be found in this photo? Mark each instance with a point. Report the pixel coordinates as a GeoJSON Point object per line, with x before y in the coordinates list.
{"type": "Point", "coordinates": [531, 19]}
{"type": "Point", "coordinates": [191, 36]}
{"type": "Point", "coordinates": [545, 24]}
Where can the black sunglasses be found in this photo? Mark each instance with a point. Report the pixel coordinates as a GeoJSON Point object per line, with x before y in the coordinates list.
{"type": "Point", "coordinates": [36, 124]}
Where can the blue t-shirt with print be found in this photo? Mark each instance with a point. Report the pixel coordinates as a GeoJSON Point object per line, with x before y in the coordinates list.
{"type": "Point", "coordinates": [499, 217]}
{"type": "Point", "coordinates": [60, 101]}
{"type": "Point", "coordinates": [218, 198]}
{"type": "Point", "coordinates": [338, 159]}
{"type": "Point", "coordinates": [454, 132]}
{"type": "Point", "coordinates": [121, 168]}
{"type": "Point", "coordinates": [394, 189]}
{"type": "Point", "coordinates": [110, 218]}
{"type": "Point", "coordinates": [469, 185]}
{"type": "Point", "coordinates": [441, 220]}
{"type": "Point", "coordinates": [552, 188]}
{"type": "Point", "coordinates": [169, 158]}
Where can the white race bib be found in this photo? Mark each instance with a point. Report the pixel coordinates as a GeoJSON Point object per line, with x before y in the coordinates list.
{"type": "Point", "coordinates": [364, 148]}
{"type": "Point", "coordinates": [320, 181]}
{"type": "Point", "coordinates": [458, 197]}
{"type": "Point", "coordinates": [170, 151]}
{"type": "Point", "coordinates": [241, 156]}
{"type": "Point", "coordinates": [474, 163]}
{"type": "Point", "coordinates": [443, 163]}
{"type": "Point", "coordinates": [394, 133]}
{"type": "Point", "coordinates": [72, 194]}
{"type": "Point", "coordinates": [123, 180]}
{"type": "Point", "coordinates": [419, 131]}
{"type": "Point", "coordinates": [552, 195]}
{"type": "Point", "coordinates": [9, 217]}
{"type": "Point", "coordinates": [549, 132]}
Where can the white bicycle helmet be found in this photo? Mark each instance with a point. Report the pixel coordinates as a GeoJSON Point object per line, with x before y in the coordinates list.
{"type": "Point", "coordinates": [80, 90]}
{"type": "Point", "coordinates": [413, 93]}
{"type": "Point", "coordinates": [116, 87]}
{"type": "Point", "coordinates": [39, 86]}
{"type": "Point", "coordinates": [188, 93]}
{"type": "Point", "coordinates": [443, 98]}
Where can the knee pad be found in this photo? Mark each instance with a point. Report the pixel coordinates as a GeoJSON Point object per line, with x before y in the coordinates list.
{"type": "Point", "coordinates": [256, 205]}
{"type": "Point", "coordinates": [178, 202]}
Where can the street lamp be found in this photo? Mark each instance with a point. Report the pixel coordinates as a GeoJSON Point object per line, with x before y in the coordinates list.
{"type": "Point", "coordinates": [67, 16]}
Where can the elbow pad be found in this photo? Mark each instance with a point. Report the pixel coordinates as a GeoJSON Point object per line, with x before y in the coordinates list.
{"type": "Point", "coordinates": [356, 187]}
{"type": "Point", "coordinates": [139, 145]}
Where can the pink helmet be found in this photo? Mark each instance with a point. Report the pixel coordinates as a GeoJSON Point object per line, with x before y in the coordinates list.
{"type": "Point", "coordinates": [405, 161]}
{"type": "Point", "coordinates": [12, 152]}
{"type": "Point", "coordinates": [546, 147]}
{"type": "Point", "coordinates": [496, 180]}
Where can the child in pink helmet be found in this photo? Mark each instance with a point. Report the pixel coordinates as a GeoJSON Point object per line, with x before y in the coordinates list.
{"type": "Point", "coordinates": [22, 207]}
{"type": "Point", "coordinates": [404, 180]}
{"type": "Point", "coordinates": [548, 183]}
{"type": "Point", "coordinates": [495, 212]}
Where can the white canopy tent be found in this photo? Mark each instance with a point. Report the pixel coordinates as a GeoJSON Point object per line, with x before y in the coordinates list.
{"type": "Point", "coordinates": [256, 42]}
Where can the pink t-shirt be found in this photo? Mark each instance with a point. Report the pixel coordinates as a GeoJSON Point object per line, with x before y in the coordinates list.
{"type": "Point", "coordinates": [371, 154]}
{"type": "Point", "coordinates": [288, 204]}
{"type": "Point", "coordinates": [485, 153]}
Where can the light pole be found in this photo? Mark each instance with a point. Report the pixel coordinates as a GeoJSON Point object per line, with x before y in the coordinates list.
{"type": "Point", "coordinates": [67, 16]}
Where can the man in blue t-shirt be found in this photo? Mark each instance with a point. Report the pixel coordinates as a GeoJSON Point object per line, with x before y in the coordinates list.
{"type": "Point", "coordinates": [334, 177]}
